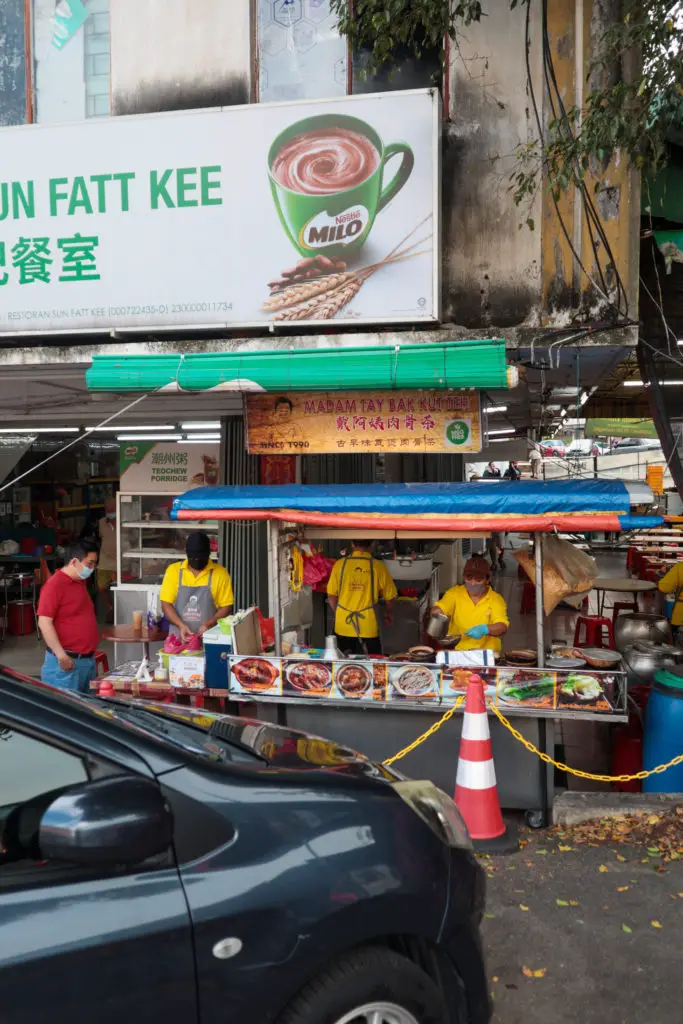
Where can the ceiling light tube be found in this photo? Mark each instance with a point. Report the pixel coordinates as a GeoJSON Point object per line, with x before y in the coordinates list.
{"type": "Point", "coordinates": [39, 430]}
{"type": "Point", "coordinates": [202, 425]}
{"type": "Point", "coordinates": [203, 437]}
{"type": "Point", "coordinates": [507, 430]}
{"type": "Point", "coordinates": [149, 437]}
{"type": "Point", "coordinates": [125, 428]}
{"type": "Point", "coordinates": [496, 408]}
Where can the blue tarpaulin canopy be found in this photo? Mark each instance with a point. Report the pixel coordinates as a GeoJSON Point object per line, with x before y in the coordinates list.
{"type": "Point", "coordinates": [485, 500]}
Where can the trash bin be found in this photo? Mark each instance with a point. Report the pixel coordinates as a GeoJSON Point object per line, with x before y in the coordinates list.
{"type": "Point", "coordinates": [663, 738]}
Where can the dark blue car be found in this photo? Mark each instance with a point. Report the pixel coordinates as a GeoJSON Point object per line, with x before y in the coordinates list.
{"type": "Point", "coordinates": [164, 864]}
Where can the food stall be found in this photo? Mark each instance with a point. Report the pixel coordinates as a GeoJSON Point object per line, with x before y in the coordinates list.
{"type": "Point", "coordinates": [378, 705]}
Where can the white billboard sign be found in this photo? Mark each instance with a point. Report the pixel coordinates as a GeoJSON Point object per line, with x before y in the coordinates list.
{"type": "Point", "coordinates": [244, 216]}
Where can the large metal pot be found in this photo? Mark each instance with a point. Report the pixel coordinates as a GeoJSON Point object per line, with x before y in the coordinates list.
{"type": "Point", "coordinates": [640, 629]}
{"type": "Point", "coordinates": [641, 661]}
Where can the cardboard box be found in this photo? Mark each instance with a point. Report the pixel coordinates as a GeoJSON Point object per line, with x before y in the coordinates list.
{"type": "Point", "coordinates": [186, 671]}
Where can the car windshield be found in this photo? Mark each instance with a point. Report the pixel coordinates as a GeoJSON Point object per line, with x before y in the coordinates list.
{"type": "Point", "coordinates": [193, 734]}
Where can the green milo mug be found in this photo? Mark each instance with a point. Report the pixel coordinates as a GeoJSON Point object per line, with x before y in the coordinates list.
{"type": "Point", "coordinates": [327, 179]}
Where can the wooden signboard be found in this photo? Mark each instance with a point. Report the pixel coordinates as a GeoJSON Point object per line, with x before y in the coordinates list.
{"type": "Point", "coordinates": [316, 422]}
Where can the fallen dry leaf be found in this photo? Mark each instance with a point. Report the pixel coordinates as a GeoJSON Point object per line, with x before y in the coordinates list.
{"type": "Point", "coordinates": [620, 858]}
{"type": "Point", "coordinates": [602, 869]}
{"type": "Point", "coordinates": [539, 972]}
{"type": "Point", "coordinates": [625, 928]}
{"type": "Point", "coordinates": [622, 888]}
{"type": "Point", "coordinates": [574, 903]}
{"type": "Point", "coordinates": [522, 907]}
{"type": "Point", "coordinates": [565, 849]}
{"type": "Point", "coordinates": [562, 903]}
{"type": "Point", "coordinates": [494, 978]}
{"type": "Point", "coordinates": [655, 924]}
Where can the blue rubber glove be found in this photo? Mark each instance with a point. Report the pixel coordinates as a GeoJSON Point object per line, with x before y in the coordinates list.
{"type": "Point", "coordinates": [477, 632]}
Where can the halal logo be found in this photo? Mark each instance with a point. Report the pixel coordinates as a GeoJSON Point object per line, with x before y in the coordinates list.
{"type": "Point", "coordinates": [457, 432]}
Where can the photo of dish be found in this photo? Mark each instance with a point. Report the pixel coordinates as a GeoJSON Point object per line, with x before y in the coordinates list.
{"type": "Point", "coordinates": [353, 680]}
{"type": "Point", "coordinates": [309, 677]}
{"type": "Point", "coordinates": [455, 680]}
{"type": "Point", "coordinates": [527, 687]}
{"type": "Point", "coordinates": [582, 689]}
{"type": "Point", "coordinates": [255, 674]}
{"type": "Point", "coordinates": [414, 681]}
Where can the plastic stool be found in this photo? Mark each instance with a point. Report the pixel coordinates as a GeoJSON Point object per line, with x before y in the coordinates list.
{"type": "Point", "coordinates": [528, 598]}
{"type": "Point", "coordinates": [631, 606]}
{"type": "Point", "coordinates": [593, 627]}
{"type": "Point", "coordinates": [101, 662]}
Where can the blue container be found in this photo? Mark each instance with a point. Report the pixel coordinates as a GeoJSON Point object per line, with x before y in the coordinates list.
{"type": "Point", "coordinates": [663, 739]}
{"type": "Point", "coordinates": [217, 661]}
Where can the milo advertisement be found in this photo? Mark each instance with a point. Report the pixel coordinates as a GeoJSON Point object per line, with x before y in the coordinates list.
{"type": "Point", "coordinates": [222, 218]}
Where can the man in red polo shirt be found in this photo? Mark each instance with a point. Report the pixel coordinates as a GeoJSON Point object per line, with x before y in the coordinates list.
{"type": "Point", "coordinates": [66, 617]}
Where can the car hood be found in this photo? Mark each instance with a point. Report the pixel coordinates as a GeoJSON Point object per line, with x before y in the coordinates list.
{"type": "Point", "coordinates": [279, 746]}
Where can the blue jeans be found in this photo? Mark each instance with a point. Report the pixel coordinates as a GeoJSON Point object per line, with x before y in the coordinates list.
{"type": "Point", "coordinates": [78, 679]}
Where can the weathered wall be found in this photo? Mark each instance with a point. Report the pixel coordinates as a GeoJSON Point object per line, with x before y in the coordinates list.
{"type": "Point", "coordinates": [178, 55]}
{"type": "Point", "coordinates": [496, 274]}
{"type": "Point", "coordinates": [492, 267]}
{"type": "Point", "coordinates": [574, 30]}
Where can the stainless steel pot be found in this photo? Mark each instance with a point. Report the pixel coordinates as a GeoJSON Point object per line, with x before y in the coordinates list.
{"type": "Point", "coordinates": [437, 625]}
{"type": "Point", "coordinates": [639, 629]}
{"type": "Point", "coordinates": [641, 661]}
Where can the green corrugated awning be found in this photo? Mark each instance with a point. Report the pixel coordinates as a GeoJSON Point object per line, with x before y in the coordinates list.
{"type": "Point", "coordinates": [462, 364]}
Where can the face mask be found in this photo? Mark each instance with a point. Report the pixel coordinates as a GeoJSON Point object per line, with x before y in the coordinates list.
{"type": "Point", "coordinates": [85, 572]}
{"type": "Point", "coordinates": [475, 588]}
{"type": "Point", "coordinates": [111, 515]}
{"type": "Point", "coordinates": [198, 563]}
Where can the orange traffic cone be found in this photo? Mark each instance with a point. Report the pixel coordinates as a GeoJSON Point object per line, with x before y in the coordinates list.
{"type": "Point", "coordinates": [475, 785]}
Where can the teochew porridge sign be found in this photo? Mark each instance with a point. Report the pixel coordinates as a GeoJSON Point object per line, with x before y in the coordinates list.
{"type": "Point", "coordinates": [245, 216]}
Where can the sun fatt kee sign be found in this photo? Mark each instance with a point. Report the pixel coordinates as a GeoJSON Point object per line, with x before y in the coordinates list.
{"type": "Point", "coordinates": [246, 216]}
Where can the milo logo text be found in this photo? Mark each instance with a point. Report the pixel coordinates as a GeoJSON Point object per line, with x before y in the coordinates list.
{"type": "Point", "coordinates": [338, 229]}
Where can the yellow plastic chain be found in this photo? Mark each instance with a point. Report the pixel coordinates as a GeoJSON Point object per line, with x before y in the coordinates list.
{"type": "Point", "coordinates": [533, 750]}
{"type": "Point", "coordinates": [425, 735]}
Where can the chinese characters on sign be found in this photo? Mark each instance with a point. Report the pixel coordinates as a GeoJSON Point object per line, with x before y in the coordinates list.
{"type": "Point", "coordinates": [33, 259]}
{"type": "Point", "coordinates": [362, 421]}
{"type": "Point", "coordinates": [171, 468]}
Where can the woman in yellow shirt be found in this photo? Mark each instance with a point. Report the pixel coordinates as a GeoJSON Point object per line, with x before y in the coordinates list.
{"type": "Point", "coordinates": [477, 613]}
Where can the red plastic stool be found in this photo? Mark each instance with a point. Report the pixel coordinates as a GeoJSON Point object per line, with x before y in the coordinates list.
{"type": "Point", "coordinates": [636, 561]}
{"type": "Point", "coordinates": [619, 606]}
{"type": "Point", "coordinates": [528, 598]}
{"type": "Point", "coordinates": [593, 626]}
{"type": "Point", "coordinates": [101, 662]}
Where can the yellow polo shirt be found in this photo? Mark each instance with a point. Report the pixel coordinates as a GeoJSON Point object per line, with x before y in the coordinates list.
{"type": "Point", "coordinates": [672, 583]}
{"type": "Point", "coordinates": [221, 584]}
{"type": "Point", "coordinates": [464, 614]}
{"type": "Point", "coordinates": [354, 592]}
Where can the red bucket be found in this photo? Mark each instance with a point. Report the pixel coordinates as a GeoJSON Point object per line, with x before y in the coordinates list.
{"type": "Point", "coordinates": [20, 618]}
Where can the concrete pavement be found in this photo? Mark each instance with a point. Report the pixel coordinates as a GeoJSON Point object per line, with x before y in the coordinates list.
{"type": "Point", "coordinates": [609, 949]}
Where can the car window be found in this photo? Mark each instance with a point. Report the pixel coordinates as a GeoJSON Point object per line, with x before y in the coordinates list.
{"type": "Point", "coordinates": [29, 767]}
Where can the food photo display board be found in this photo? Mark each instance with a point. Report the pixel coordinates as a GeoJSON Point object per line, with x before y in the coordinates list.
{"type": "Point", "coordinates": [531, 691]}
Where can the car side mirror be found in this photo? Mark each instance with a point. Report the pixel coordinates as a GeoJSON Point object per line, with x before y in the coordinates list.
{"type": "Point", "coordinates": [119, 820]}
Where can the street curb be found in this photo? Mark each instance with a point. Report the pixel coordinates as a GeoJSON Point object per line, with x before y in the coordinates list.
{"type": "Point", "coordinates": [575, 808]}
